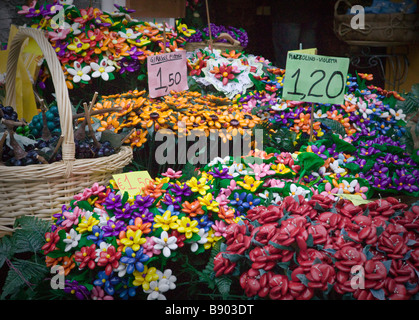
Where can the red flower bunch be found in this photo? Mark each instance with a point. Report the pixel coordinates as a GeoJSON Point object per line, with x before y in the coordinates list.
{"type": "Point", "coordinates": [299, 249]}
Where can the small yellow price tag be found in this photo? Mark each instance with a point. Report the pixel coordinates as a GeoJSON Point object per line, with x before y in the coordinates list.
{"type": "Point", "coordinates": [132, 182]}
{"type": "Point", "coordinates": [356, 199]}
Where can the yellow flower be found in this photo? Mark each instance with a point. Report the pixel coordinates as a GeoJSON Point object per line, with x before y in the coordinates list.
{"type": "Point", "coordinates": [207, 176]}
{"type": "Point", "coordinates": [87, 224]}
{"type": "Point", "coordinates": [78, 46]}
{"type": "Point", "coordinates": [183, 28]}
{"type": "Point", "coordinates": [166, 221]}
{"type": "Point", "coordinates": [281, 168]}
{"type": "Point", "coordinates": [208, 201]}
{"type": "Point", "coordinates": [132, 239]}
{"type": "Point", "coordinates": [162, 180]}
{"type": "Point", "coordinates": [198, 185]}
{"type": "Point", "coordinates": [250, 183]}
{"type": "Point", "coordinates": [188, 227]}
{"type": "Point", "coordinates": [144, 278]}
{"type": "Point", "coordinates": [211, 239]}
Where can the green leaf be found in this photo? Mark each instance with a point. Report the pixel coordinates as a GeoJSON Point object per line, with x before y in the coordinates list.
{"type": "Point", "coordinates": [22, 274]}
{"type": "Point", "coordinates": [6, 249]}
{"type": "Point", "coordinates": [223, 284]}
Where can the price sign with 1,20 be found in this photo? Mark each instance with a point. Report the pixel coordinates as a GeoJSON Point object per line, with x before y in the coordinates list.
{"type": "Point", "coordinates": [315, 78]}
{"type": "Point", "coordinates": [132, 182]}
{"type": "Point", "coordinates": [167, 71]}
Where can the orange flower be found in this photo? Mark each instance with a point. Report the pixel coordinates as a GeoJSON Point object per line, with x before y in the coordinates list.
{"type": "Point", "coordinates": [349, 107]}
{"type": "Point", "coordinates": [193, 209]}
{"type": "Point", "coordinates": [227, 216]}
{"type": "Point", "coordinates": [66, 262]}
{"type": "Point", "coordinates": [366, 76]}
{"type": "Point", "coordinates": [139, 225]}
{"type": "Point", "coordinates": [232, 54]}
{"type": "Point", "coordinates": [153, 190]}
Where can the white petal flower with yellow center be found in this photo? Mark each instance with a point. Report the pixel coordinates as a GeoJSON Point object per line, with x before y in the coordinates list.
{"type": "Point", "coordinates": [79, 73]}
{"type": "Point", "coordinates": [102, 69]}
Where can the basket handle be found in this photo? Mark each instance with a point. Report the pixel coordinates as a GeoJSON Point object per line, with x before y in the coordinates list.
{"type": "Point", "coordinates": [61, 91]}
{"type": "Point", "coordinates": [229, 38]}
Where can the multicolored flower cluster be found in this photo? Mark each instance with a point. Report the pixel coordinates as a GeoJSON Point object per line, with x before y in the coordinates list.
{"type": "Point", "coordinates": [93, 44]}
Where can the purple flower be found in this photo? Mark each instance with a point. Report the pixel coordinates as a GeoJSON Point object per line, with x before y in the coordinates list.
{"type": "Point", "coordinates": [124, 212]}
{"type": "Point", "coordinates": [174, 201]}
{"type": "Point", "coordinates": [368, 151]}
{"type": "Point", "coordinates": [79, 291]}
{"type": "Point", "coordinates": [319, 151]}
{"type": "Point", "coordinates": [112, 201]}
{"type": "Point", "coordinates": [60, 48]}
{"type": "Point", "coordinates": [382, 182]}
{"type": "Point", "coordinates": [406, 182]}
{"type": "Point", "coordinates": [143, 203]}
{"type": "Point", "coordinates": [379, 169]}
{"type": "Point", "coordinates": [113, 228]}
{"type": "Point", "coordinates": [180, 190]}
{"type": "Point", "coordinates": [223, 174]}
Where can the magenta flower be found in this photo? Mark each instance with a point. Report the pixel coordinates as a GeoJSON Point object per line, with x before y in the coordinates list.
{"type": "Point", "coordinates": [71, 217]}
{"type": "Point", "coordinates": [60, 35]}
{"type": "Point", "coordinates": [220, 228]}
{"type": "Point", "coordinates": [172, 174]}
{"type": "Point", "coordinates": [87, 193]}
{"type": "Point", "coordinates": [98, 293]}
{"type": "Point", "coordinates": [261, 170]}
{"type": "Point", "coordinates": [148, 247]}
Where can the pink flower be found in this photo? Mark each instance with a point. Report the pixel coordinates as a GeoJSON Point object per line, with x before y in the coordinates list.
{"type": "Point", "coordinates": [261, 170]}
{"type": "Point", "coordinates": [148, 247]}
{"type": "Point", "coordinates": [61, 35]}
{"type": "Point", "coordinates": [99, 294]}
{"type": "Point", "coordinates": [87, 193]}
{"type": "Point", "coordinates": [222, 199]}
{"type": "Point", "coordinates": [25, 9]}
{"type": "Point", "coordinates": [274, 183]}
{"type": "Point", "coordinates": [172, 174]}
{"type": "Point", "coordinates": [329, 191]}
{"type": "Point", "coordinates": [71, 217]}
{"type": "Point", "coordinates": [96, 188]}
{"type": "Point", "coordinates": [220, 228]}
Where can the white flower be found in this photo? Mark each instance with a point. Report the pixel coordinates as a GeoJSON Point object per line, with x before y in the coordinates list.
{"type": "Point", "coordinates": [319, 114]}
{"type": "Point", "coordinates": [265, 195]}
{"type": "Point", "coordinates": [103, 217]}
{"type": "Point", "coordinates": [280, 107]}
{"type": "Point", "coordinates": [167, 274]}
{"type": "Point", "coordinates": [195, 244]}
{"type": "Point", "coordinates": [321, 173]}
{"type": "Point", "coordinates": [237, 169]}
{"type": "Point", "coordinates": [130, 34]}
{"type": "Point", "coordinates": [79, 73]}
{"type": "Point", "coordinates": [157, 288]}
{"type": "Point", "coordinates": [336, 168]}
{"type": "Point", "coordinates": [351, 98]}
{"type": "Point", "coordinates": [102, 69]}
{"type": "Point", "coordinates": [102, 247]}
{"type": "Point", "coordinates": [166, 243]}
{"type": "Point", "coordinates": [398, 115]}
{"type": "Point", "coordinates": [159, 26]}
{"type": "Point", "coordinates": [66, 2]}
{"type": "Point", "coordinates": [297, 190]}
{"type": "Point", "coordinates": [73, 27]}
{"type": "Point", "coordinates": [350, 186]}
{"type": "Point", "coordinates": [72, 240]}
{"type": "Point", "coordinates": [121, 270]}
{"type": "Point", "coordinates": [217, 160]}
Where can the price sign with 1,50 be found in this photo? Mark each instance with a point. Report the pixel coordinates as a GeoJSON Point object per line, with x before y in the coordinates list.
{"type": "Point", "coordinates": [132, 182]}
{"type": "Point", "coordinates": [167, 71]}
{"type": "Point", "coordinates": [315, 78]}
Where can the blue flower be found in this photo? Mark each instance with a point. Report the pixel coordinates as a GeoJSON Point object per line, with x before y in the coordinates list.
{"type": "Point", "coordinates": [97, 235]}
{"type": "Point", "coordinates": [126, 291]}
{"type": "Point", "coordinates": [134, 260]}
{"type": "Point", "coordinates": [251, 202]}
{"type": "Point", "coordinates": [204, 222]}
{"type": "Point", "coordinates": [170, 208]}
{"type": "Point", "coordinates": [107, 282]}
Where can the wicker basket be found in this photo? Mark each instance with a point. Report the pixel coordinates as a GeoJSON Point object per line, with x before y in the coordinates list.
{"type": "Point", "coordinates": [380, 29]}
{"type": "Point", "coordinates": [43, 189]}
{"type": "Point", "coordinates": [232, 44]}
